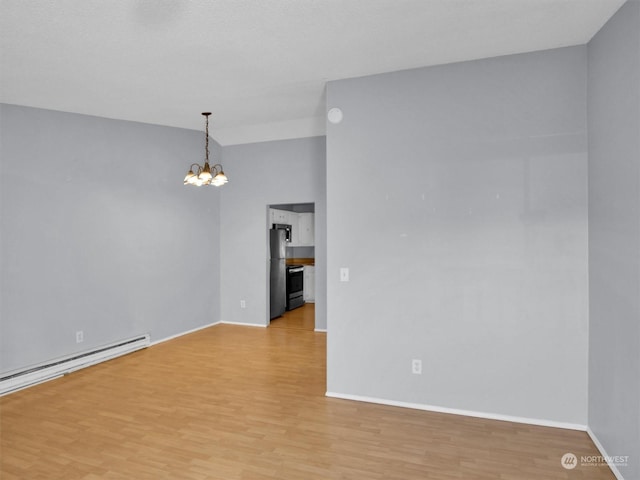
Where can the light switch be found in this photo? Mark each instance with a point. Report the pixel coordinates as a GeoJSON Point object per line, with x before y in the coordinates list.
{"type": "Point", "coordinates": [344, 274]}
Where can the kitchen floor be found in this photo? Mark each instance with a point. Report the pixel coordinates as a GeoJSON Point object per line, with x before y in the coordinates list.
{"type": "Point", "coordinates": [303, 318]}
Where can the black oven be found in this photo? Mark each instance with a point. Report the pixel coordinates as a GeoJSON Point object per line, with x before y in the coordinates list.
{"type": "Point", "coordinates": [295, 286]}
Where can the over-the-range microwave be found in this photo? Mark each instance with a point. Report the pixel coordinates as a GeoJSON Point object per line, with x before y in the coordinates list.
{"type": "Point", "coordinates": [286, 228]}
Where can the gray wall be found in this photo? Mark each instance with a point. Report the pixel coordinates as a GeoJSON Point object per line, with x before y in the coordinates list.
{"type": "Point", "coordinates": [614, 236]}
{"type": "Point", "coordinates": [262, 174]}
{"type": "Point", "coordinates": [457, 196]}
{"type": "Point", "coordinates": [100, 235]}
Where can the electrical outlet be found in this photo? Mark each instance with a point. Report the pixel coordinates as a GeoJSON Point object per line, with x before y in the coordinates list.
{"type": "Point", "coordinates": [243, 304]}
{"type": "Point", "coordinates": [79, 336]}
{"type": "Point", "coordinates": [416, 366]}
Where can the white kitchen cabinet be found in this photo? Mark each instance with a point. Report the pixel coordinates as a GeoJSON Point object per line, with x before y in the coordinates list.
{"type": "Point", "coordinates": [309, 288]}
{"type": "Point", "coordinates": [295, 234]}
{"type": "Point", "coordinates": [280, 216]}
{"type": "Point", "coordinates": [302, 226]}
{"type": "Point", "coordinates": [305, 230]}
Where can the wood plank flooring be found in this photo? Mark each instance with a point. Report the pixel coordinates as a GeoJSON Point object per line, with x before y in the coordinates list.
{"type": "Point", "coordinates": [302, 318]}
{"type": "Point", "coordinates": [232, 402]}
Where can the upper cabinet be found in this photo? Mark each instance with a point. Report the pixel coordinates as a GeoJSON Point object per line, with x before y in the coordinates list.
{"type": "Point", "coordinates": [306, 233]}
{"type": "Point", "coordinates": [280, 216]}
{"type": "Point", "coordinates": [302, 226]}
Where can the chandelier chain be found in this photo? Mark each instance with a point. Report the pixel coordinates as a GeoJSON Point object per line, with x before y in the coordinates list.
{"type": "Point", "coordinates": [207, 138]}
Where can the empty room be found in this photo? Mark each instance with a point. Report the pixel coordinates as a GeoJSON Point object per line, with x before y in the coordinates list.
{"type": "Point", "coordinates": [320, 239]}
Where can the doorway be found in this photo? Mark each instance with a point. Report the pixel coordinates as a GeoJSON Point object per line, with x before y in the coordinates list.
{"type": "Point", "coordinates": [296, 221]}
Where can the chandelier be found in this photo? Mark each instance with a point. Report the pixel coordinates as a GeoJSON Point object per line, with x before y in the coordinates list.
{"type": "Point", "coordinates": [206, 175]}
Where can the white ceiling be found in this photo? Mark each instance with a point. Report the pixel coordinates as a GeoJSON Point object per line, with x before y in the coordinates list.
{"type": "Point", "coordinates": [259, 65]}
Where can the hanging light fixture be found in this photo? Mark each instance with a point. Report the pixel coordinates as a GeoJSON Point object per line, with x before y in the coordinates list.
{"type": "Point", "coordinates": [206, 175]}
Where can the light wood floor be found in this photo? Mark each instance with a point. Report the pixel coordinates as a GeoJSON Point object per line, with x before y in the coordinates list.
{"type": "Point", "coordinates": [302, 318]}
{"type": "Point", "coordinates": [232, 402]}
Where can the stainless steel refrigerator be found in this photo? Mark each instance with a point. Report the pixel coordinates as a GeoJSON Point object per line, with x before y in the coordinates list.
{"type": "Point", "coordinates": [278, 272]}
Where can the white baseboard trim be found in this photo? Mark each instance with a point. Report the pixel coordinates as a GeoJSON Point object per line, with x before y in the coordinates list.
{"type": "Point", "coordinates": [162, 340]}
{"type": "Point", "coordinates": [456, 411]}
{"type": "Point", "coordinates": [321, 330]}
{"type": "Point", "coordinates": [193, 330]}
{"type": "Point", "coordinates": [243, 324]}
{"type": "Point", "coordinates": [604, 454]}
{"type": "Point", "coordinates": [202, 328]}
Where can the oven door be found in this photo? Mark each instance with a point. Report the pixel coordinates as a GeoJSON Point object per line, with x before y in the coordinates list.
{"type": "Point", "coordinates": [295, 287]}
{"type": "Point", "coordinates": [295, 279]}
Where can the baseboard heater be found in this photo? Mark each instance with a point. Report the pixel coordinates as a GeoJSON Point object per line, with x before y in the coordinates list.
{"type": "Point", "coordinates": [19, 379]}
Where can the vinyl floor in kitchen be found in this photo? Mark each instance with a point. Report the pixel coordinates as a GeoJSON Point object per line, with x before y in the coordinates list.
{"type": "Point", "coordinates": [303, 318]}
